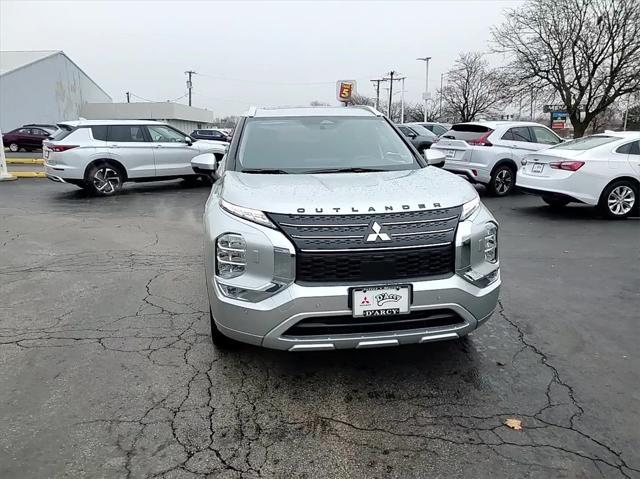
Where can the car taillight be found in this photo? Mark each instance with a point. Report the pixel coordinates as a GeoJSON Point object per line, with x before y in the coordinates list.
{"type": "Point", "coordinates": [61, 147]}
{"type": "Point", "coordinates": [566, 165]}
{"type": "Point", "coordinates": [481, 141]}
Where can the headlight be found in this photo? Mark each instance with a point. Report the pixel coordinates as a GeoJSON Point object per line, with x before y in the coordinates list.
{"type": "Point", "coordinates": [231, 252]}
{"type": "Point", "coordinates": [255, 216]}
{"type": "Point", "coordinates": [469, 208]}
{"type": "Point", "coordinates": [491, 242]}
{"type": "Point", "coordinates": [234, 246]}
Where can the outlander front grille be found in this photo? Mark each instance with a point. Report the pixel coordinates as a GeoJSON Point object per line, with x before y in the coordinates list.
{"type": "Point", "coordinates": [401, 246]}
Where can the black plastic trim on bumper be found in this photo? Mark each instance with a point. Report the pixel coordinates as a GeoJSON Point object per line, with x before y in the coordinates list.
{"type": "Point", "coordinates": [332, 325]}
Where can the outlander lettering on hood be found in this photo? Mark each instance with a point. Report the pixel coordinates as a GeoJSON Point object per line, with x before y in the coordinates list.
{"type": "Point", "coordinates": [370, 209]}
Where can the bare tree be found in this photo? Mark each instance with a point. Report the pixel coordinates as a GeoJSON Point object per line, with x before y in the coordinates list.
{"type": "Point", "coordinates": [358, 99]}
{"type": "Point", "coordinates": [585, 51]}
{"type": "Point", "coordinates": [472, 89]}
{"type": "Point", "coordinates": [319, 103]}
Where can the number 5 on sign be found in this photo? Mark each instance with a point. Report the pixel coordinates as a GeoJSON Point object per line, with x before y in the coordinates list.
{"type": "Point", "coordinates": [345, 89]}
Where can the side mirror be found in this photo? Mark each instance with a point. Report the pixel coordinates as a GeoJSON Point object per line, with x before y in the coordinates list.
{"type": "Point", "coordinates": [188, 140]}
{"type": "Point", "coordinates": [434, 157]}
{"type": "Point", "coordinates": [205, 164]}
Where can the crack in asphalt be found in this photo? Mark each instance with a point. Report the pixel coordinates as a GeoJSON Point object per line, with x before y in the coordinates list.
{"type": "Point", "coordinates": [223, 419]}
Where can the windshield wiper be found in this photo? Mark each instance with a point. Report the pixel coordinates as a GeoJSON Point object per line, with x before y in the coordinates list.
{"type": "Point", "coordinates": [345, 170]}
{"type": "Point", "coordinates": [265, 171]}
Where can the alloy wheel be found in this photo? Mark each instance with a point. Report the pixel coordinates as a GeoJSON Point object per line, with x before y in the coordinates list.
{"type": "Point", "coordinates": [106, 180]}
{"type": "Point", "coordinates": [14, 147]}
{"type": "Point", "coordinates": [504, 180]}
{"type": "Point", "coordinates": [621, 200]}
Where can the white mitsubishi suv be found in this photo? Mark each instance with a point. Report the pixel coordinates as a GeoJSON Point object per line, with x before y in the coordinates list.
{"type": "Point", "coordinates": [100, 155]}
{"type": "Point", "coordinates": [489, 152]}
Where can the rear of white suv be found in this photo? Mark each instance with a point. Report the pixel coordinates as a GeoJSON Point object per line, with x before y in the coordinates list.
{"type": "Point", "coordinates": [100, 155]}
{"type": "Point", "coordinates": [489, 152]}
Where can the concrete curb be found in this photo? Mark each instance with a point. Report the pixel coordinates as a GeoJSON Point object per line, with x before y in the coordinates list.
{"type": "Point", "coordinates": [24, 161]}
{"type": "Point", "coordinates": [28, 174]}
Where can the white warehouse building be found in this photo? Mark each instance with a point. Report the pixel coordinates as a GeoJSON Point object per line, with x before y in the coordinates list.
{"type": "Point", "coordinates": [183, 117]}
{"type": "Point", "coordinates": [43, 87]}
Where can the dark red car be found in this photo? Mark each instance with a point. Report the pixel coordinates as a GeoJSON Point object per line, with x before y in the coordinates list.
{"type": "Point", "coordinates": [26, 138]}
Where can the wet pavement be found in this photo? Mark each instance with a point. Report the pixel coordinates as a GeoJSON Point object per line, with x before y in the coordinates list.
{"type": "Point", "coordinates": [107, 368]}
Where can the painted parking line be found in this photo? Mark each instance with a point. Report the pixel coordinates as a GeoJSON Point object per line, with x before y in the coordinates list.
{"type": "Point", "coordinates": [25, 161]}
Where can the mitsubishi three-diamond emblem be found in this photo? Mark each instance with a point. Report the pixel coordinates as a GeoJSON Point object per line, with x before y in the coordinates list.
{"type": "Point", "coordinates": [376, 228]}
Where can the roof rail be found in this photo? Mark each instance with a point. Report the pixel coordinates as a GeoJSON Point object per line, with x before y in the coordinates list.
{"type": "Point", "coordinates": [368, 108]}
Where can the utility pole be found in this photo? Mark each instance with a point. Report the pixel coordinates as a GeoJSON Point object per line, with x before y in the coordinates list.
{"type": "Point", "coordinates": [426, 84]}
{"type": "Point", "coordinates": [128, 97]}
{"type": "Point", "coordinates": [189, 82]}
{"type": "Point", "coordinates": [377, 82]}
{"type": "Point", "coordinates": [391, 73]}
{"type": "Point", "coordinates": [402, 100]}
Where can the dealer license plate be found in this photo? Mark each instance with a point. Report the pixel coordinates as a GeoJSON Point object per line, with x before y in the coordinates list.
{"type": "Point", "coordinates": [381, 301]}
{"type": "Point", "coordinates": [450, 154]}
{"type": "Point", "coordinates": [537, 168]}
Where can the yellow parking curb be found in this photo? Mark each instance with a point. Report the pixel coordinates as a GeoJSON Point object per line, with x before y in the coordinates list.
{"type": "Point", "coordinates": [28, 174]}
{"type": "Point", "coordinates": [25, 161]}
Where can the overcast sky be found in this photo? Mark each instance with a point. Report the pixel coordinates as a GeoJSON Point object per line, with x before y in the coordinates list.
{"type": "Point", "coordinates": [261, 53]}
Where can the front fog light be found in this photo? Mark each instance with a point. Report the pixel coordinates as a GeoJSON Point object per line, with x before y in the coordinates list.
{"type": "Point", "coordinates": [491, 243]}
{"type": "Point", "coordinates": [230, 255]}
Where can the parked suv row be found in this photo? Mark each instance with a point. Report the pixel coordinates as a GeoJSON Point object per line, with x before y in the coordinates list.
{"type": "Point", "coordinates": [489, 152]}
{"type": "Point", "coordinates": [100, 155]}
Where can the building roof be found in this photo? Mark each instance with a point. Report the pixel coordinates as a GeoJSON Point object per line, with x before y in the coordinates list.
{"type": "Point", "coordinates": [312, 111]}
{"type": "Point", "coordinates": [10, 61]}
{"type": "Point", "coordinates": [146, 110]}
{"type": "Point", "coordinates": [14, 60]}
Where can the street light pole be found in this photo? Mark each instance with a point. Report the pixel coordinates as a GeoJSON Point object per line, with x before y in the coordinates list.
{"type": "Point", "coordinates": [391, 73]}
{"type": "Point", "coordinates": [402, 100]}
{"type": "Point", "coordinates": [426, 84]}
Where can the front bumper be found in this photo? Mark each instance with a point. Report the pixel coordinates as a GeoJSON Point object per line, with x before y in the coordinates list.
{"type": "Point", "coordinates": [265, 323]}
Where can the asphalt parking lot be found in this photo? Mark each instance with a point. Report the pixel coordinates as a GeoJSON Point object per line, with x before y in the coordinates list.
{"type": "Point", "coordinates": [107, 368]}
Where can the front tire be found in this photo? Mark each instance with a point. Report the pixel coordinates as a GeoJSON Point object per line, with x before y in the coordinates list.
{"type": "Point", "coordinates": [104, 179]}
{"type": "Point", "coordinates": [503, 180]}
{"type": "Point", "coordinates": [14, 147]}
{"type": "Point", "coordinates": [619, 200]}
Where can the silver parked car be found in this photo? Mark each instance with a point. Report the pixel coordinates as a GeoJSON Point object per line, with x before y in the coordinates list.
{"type": "Point", "coordinates": [328, 230]}
{"type": "Point", "coordinates": [100, 155]}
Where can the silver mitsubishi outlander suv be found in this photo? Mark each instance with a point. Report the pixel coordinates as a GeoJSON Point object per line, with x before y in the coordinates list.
{"type": "Point", "coordinates": [327, 230]}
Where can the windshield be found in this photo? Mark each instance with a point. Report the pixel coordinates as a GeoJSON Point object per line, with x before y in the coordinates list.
{"type": "Point", "coordinates": [313, 144]}
{"type": "Point", "coordinates": [421, 130]}
{"type": "Point", "coordinates": [585, 143]}
{"type": "Point", "coordinates": [466, 131]}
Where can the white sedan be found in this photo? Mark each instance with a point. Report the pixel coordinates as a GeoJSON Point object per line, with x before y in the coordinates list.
{"type": "Point", "coordinates": [602, 170]}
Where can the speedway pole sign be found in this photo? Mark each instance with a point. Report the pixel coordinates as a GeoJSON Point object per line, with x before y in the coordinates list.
{"type": "Point", "coordinates": [345, 90]}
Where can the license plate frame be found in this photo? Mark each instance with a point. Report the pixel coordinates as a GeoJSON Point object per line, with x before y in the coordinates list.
{"type": "Point", "coordinates": [380, 307]}
{"type": "Point", "coordinates": [537, 168]}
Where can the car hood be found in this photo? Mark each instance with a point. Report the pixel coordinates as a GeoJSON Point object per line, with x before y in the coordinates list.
{"type": "Point", "coordinates": [347, 193]}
